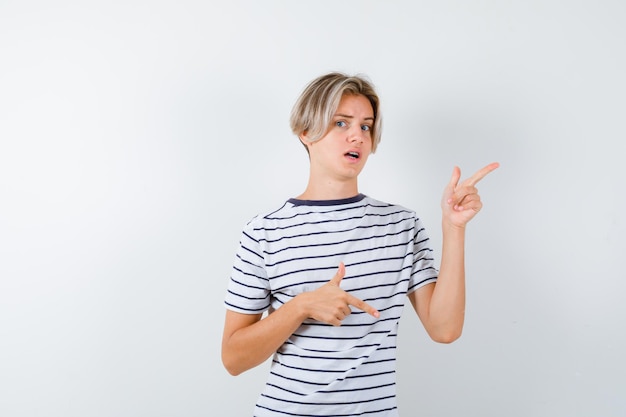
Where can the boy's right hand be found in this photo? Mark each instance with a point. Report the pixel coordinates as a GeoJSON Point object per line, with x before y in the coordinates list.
{"type": "Point", "coordinates": [330, 304]}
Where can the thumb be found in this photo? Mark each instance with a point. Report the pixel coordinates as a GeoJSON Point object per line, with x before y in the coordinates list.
{"type": "Point", "coordinates": [448, 191]}
{"type": "Point", "coordinates": [456, 176]}
{"type": "Point", "coordinates": [341, 272]}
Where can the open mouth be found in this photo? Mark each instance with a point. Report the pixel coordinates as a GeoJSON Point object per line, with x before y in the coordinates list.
{"type": "Point", "coordinates": [353, 155]}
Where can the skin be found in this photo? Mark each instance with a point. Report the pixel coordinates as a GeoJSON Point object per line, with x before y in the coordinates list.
{"type": "Point", "coordinates": [249, 339]}
{"type": "Point", "coordinates": [332, 175]}
{"type": "Point", "coordinates": [441, 305]}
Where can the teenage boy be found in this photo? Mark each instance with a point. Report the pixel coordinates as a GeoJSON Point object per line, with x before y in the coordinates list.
{"type": "Point", "coordinates": [333, 338]}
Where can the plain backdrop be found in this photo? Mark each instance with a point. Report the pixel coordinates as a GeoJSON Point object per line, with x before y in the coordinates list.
{"type": "Point", "coordinates": [138, 137]}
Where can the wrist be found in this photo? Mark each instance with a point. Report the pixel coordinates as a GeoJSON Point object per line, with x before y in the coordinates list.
{"type": "Point", "coordinates": [448, 227]}
{"type": "Point", "coordinates": [298, 306]}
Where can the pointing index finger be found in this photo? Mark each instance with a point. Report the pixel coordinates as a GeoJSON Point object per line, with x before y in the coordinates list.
{"type": "Point", "coordinates": [362, 305]}
{"type": "Point", "coordinates": [480, 174]}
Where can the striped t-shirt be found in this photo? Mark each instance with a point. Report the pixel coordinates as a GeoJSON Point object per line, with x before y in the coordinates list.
{"type": "Point", "coordinates": [324, 370]}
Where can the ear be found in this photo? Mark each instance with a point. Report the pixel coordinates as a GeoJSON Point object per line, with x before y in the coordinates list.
{"type": "Point", "coordinates": [304, 139]}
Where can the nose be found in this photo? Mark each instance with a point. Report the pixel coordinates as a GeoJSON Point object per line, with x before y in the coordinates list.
{"type": "Point", "coordinates": [356, 136]}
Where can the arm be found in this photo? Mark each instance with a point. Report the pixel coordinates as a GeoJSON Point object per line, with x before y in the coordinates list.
{"type": "Point", "coordinates": [248, 339]}
{"type": "Point", "coordinates": [441, 306]}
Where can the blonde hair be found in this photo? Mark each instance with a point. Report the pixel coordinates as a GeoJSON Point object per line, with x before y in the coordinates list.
{"type": "Point", "coordinates": [319, 100]}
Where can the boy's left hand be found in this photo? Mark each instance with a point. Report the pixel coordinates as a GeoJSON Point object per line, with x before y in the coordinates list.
{"type": "Point", "coordinates": [461, 202]}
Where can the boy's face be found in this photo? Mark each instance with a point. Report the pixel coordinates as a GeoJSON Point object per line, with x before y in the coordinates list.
{"type": "Point", "coordinates": [343, 151]}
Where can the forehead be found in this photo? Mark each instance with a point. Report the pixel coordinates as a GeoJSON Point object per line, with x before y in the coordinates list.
{"type": "Point", "coordinates": [355, 105]}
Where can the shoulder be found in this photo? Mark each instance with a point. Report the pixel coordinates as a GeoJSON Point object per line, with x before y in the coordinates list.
{"type": "Point", "coordinates": [270, 217]}
{"type": "Point", "coordinates": [383, 206]}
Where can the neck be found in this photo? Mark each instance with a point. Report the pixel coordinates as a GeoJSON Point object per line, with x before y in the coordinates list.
{"type": "Point", "coordinates": [329, 190]}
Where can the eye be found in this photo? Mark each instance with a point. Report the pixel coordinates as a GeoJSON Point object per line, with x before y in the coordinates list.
{"type": "Point", "coordinates": [366, 128]}
{"type": "Point", "coordinates": [340, 123]}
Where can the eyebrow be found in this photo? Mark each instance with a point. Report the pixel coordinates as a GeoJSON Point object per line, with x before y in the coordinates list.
{"type": "Point", "coordinates": [350, 117]}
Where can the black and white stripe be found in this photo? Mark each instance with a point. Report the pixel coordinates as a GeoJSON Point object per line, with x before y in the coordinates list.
{"type": "Point", "coordinates": [324, 370]}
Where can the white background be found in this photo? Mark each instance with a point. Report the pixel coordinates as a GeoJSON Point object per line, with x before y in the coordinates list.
{"type": "Point", "coordinates": [137, 138]}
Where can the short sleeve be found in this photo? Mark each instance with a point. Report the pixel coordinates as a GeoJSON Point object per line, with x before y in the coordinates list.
{"type": "Point", "coordinates": [248, 289]}
{"type": "Point", "coordinates": [424, 271]}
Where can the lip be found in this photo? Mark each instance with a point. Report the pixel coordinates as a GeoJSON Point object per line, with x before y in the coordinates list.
{"type": "Point", "coordinates": [349, 154]}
